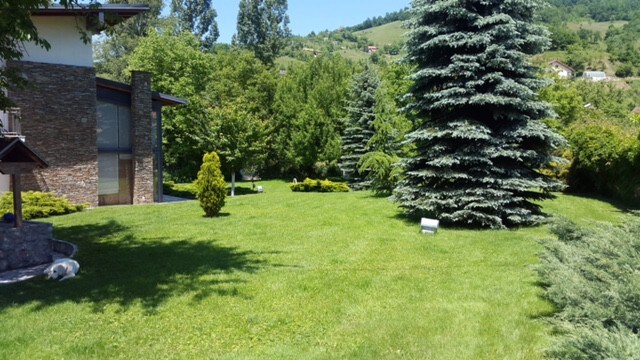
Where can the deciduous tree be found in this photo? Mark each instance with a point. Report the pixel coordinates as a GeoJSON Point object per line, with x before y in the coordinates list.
{"type": "Point", "coordinates": [263, 27]}
{"type": "Point", "coordinates": [198, 17]}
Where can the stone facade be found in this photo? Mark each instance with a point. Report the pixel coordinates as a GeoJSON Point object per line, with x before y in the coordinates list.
{"type": "Point", "coordinates": [27, 246]}
{"type": "Point", "coordinates": [141, 133]}
{"type": "Point", "coordinates": [58, 120]}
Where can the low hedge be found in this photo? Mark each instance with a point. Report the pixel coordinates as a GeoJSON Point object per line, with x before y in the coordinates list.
{"type": "Point", "coordinates": [36, 205]}
{"type": "Point", "coordinates": [591, 275]}
{"type": "Point", "coordinates": [311, 185]}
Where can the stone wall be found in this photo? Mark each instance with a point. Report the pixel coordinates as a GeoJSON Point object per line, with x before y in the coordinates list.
{"type": "Point", "coordinates": [141, 133]}
{"type": "Point", "coordinates": [59, 123]}
{"type": "Point", "coordinates": [28, 246]}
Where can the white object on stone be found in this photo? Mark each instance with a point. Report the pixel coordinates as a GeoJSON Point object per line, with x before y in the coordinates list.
{"type": "Point", "coordinates": [429, 226]}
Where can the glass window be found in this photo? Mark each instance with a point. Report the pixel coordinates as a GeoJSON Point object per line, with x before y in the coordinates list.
{"type": "Point", "coordinates": [124, 127]}
{"type": "Point", "coordinates": [108, 174]}
{"type": "Point", "coordinates": [107, 125]}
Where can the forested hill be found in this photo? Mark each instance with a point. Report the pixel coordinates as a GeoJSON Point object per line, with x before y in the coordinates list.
{"type": "Point", "coordinates": [597, 10]}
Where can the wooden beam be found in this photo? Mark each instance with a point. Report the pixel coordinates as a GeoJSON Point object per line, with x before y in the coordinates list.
{"type": "Point", "coordinates": [17, 200]}
{"type": "Point", "coordinates": [17, 167]}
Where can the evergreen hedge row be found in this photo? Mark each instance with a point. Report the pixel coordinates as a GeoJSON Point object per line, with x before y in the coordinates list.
{"type": "Point", "coordinates": [592, 276]}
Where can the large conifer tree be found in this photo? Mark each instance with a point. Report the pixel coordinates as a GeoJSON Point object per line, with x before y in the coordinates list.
{"type": "Point", "coordinates": [361, 113]}
{"type": "Point", "coordinates": [482, 140]}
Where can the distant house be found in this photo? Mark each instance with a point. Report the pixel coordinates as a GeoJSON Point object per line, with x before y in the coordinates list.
{"type": "Point", "coordinates": [595, 75]}
{"type": "Point", "coordinates": [372, 49]}
{"type": "Point", "coordinates": [101, 139]}
{"type": "Point", "coordinates": [563, 70]}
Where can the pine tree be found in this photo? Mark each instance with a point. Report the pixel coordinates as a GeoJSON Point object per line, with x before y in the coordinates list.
{"type": "Point", "coordinates": [481, 140]}
{"type": "Point", "coordinates": [361, 113]}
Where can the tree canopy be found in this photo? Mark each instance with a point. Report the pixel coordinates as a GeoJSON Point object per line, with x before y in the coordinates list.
{"type": "Point", "coordinates": [263, 27]}
{"type": "Point", "coordinates": [198, 17]}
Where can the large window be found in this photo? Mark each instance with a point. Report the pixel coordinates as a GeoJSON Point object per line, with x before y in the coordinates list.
{"type": "Point", "coordinates": [115, 167]}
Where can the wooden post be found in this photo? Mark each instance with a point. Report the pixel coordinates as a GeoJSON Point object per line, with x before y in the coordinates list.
{"type": "Point", "coordinates": [17, 200]}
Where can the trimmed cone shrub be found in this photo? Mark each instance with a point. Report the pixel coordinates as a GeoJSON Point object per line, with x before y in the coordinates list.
{"type": "Point", "coordinates": [210, 185]}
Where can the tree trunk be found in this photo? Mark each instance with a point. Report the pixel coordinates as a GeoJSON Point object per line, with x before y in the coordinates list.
{"type": "Point", "coordinates": [233, 183]}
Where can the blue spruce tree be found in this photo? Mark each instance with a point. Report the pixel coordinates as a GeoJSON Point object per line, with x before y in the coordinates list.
{"type": "Point", "coordinates": [361, 113]}
{"type": "Point", "coordinates": [481, 141]}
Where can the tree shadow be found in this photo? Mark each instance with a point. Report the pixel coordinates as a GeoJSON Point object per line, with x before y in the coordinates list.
{"type": "Point", "coordinates": [620, 205]}
{"type": "Point", "coordinates": [118, 268]}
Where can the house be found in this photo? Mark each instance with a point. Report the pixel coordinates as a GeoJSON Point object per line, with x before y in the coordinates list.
{"type": "Point", "coordinates": [595, 75]}
{"type": "Point", "coordinates": [563, 70]}
{"type": "Point", "coordinates": [372, 49]}
{"type": "Point", "coordinates": [101, 139]}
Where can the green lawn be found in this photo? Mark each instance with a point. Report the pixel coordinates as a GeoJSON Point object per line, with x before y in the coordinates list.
{"type": "Point", "coordinates": [390, 33]}
{"type": "Point", "coordinates": [285, 275]}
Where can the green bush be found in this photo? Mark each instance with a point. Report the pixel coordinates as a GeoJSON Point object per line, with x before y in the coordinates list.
{"type": "Point", "coordinates": [36, 205]}
{"type": "Point", "coordinates": [591, 275]}
{"type": "Point", "coordinates": [606, 160]}
{"type": "Point", "coordinates": [210, 185]}
{"type": "Point", "coordinates": [309, 185]}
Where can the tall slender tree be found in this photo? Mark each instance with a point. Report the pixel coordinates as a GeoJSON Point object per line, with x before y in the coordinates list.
{"type": "Point", "coordinates": [263, 27]}
{"type": "Point", "coordinates": [482, 141]}
{"type": "Point", "coordinates": [361, 113]}
{"type": "Point", "coordinates": [198, 17]}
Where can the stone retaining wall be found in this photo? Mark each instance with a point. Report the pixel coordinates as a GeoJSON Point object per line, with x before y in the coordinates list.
{"type": "Point", "coordinates": [29, 246]}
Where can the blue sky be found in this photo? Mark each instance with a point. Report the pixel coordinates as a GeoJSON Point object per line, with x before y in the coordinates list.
{"type": "Point", "coordinates": [310, 15]}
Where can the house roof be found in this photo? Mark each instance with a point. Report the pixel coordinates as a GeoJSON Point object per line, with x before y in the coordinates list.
{"type": "Point", "coordinates": [164, 99]}
{"type": "Point", "coordinates": [14, 150]}
{"type": "Point", "coordinates": [111, 14]}
{"type": "Point", "coordinates": [596, 74]}
{"type": "Point", "coordinates": [560, 63]}
{"type": "Point", "coordinates": [123, 10]}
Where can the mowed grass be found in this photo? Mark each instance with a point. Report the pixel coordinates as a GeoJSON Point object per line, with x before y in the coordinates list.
{"type": "Point", "coordinates": [284, 275]}
{"type": "Point", "coordinates": [390, 33]}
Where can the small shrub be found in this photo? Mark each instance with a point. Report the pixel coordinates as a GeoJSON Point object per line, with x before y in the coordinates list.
{"type": "Point", "coordinates": [210, 185]}
{"type": "Point", "coordinates": [591, 275]}
{"type": "Point", "coordinates": [37, 205]}
{"type": "Point", "coordinates": [311, 185]}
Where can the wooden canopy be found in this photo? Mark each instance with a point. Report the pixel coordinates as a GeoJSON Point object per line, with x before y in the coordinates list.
{"type": "Point", "coordinates": [16, 158]}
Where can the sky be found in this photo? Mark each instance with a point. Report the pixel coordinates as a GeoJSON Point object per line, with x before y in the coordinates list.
{"type": "Point", "coordinates": [310, 15]}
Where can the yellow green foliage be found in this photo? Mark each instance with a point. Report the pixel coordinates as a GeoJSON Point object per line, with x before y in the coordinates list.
{"type": "Point", "coordinates": [36, 205]}
{"type": "Point", "coordinates": [309, 185]}
{"type": "Point", "coordinates": [210, 185]}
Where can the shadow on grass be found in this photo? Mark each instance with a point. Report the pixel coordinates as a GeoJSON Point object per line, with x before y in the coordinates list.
{"type": "Point", "coordinates": [117, 268]}
{"type": "Point", "coordinates": [620, 205]}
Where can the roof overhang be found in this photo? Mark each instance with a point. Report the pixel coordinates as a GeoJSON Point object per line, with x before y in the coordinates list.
{"type": "Point", "coordinates": [98, 15]}
{"type": "Point", "coordinates": [164, 99]}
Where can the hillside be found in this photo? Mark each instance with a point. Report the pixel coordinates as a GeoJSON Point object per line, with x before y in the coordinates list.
{"type": "Point", "coordinates": [388, 34]}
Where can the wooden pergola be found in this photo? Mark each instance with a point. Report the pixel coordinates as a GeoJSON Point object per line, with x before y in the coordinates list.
{"type": "Point", "coordinates": [17, 158]}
